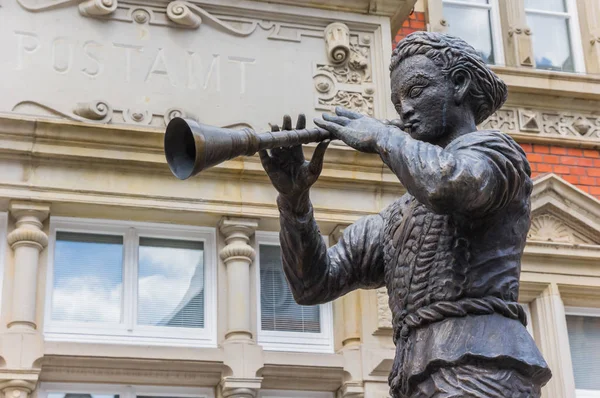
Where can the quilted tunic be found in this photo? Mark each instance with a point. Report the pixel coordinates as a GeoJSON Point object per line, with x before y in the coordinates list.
{"type": "Point", "coordinates": [448, 251]}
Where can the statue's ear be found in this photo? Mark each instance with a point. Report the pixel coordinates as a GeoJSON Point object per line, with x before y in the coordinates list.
{"type": "Point", "coordinates": [461, 80]}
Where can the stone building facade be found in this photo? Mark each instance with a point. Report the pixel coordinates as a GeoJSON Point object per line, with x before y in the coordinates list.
{"type": "Point", "coordinates": [119, 280]}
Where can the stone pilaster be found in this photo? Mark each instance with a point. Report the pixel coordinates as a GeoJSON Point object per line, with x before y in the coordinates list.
{"type": "Point", "coordinates": [518, 47]}
{"type": "Point", "coordinates": [26, 241]}
{"type": "Point", "coordinates": [238, 256]}
{"type": "Point", "coordinates": [550, 333]}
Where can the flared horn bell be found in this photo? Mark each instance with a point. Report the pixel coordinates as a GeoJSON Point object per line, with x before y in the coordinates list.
{"type": "Point", "coordinates": [191, 147]}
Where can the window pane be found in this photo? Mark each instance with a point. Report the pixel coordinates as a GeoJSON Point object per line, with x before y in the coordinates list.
{"type": "Point", "coordinates": [551, 42]}
{"type": "Point", "coordinates": [472, 25]}
{"type": "Point", "coordinates": [88, 278]}
{"type": "Point", "coordinates": [171, 283]}
{"type": "Point", "coordinates": [584, 340]}
{"type": "Point", "coordinates": [279, 311]}
{"type": "Point", "coordinates": [546, 5]}
{"type": "Point", "coordinates": [81, 395]}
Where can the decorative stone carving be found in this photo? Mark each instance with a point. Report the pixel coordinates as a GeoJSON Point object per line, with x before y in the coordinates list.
{"type": "Point", "coordinates": [180, 13]}
{"type": "Point", "coordinates": [550, 228]}
{"type": "Point", "coordinates": [92, 8]}
{"type": "Point", "coordinates": [95, 110]}
{"type": "Point", "coordinates": [348, 84]}
{"type": "Point", "coordinates": [545, 122]}
{"type": "Point", "coordinates": [337, 40]}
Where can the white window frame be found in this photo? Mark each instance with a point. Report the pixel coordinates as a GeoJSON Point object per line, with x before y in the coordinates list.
{"type": "Point", "coordinates": [294, 394]}
{"type": "Point", "coordinates": [3, 246]}
{"type": "Point", "coordinates": [291, 341]}
{"type": "Point", "coordinates": [496, 28]}
{"type": "Point", "coordinates": [590, 312]}
{"type": "Point", "coordinates": [574, 32]}
{"type": "Point", "coordinates": [124, 391]}
{"type": "Point", "coordinates": [128, 332]}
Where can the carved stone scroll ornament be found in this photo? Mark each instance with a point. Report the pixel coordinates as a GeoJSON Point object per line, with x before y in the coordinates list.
{"type": "Point", "coordinates": [97, 7]}
{"type": "Point", "coordinates": [189, 15]}
{"type": "Point", "coordinates": [337, 39]}
{"type": "Point", "coordinates": [87, 8]}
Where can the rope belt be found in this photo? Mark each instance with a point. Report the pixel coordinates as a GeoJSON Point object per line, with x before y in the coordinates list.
{"type": "Point", "coordinates": [468, 306]}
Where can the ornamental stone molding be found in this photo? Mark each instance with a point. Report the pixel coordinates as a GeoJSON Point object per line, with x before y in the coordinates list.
{"type": "Point", "coordinates": [545, 122]}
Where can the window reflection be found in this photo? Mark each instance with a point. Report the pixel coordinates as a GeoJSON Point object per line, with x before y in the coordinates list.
{"type": "Point", "coordinates": [551, 42]}
{"type": "Point", "coordinates": [171, 283]}
{"type": "Point", "coordinates": [88, 278]}
{"type": "Point", "coordinates": [472, 24]}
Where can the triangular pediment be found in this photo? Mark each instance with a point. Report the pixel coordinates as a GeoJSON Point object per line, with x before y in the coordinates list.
{"type": "Point", "coordinates": [562, 214]}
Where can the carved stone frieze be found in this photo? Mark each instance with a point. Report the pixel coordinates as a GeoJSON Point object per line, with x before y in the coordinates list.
{"type": "Point", "coordinates": [545, 122]}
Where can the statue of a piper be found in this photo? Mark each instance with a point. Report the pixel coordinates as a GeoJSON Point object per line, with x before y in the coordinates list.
{"type": "Point", "coordinates": [449, 250]}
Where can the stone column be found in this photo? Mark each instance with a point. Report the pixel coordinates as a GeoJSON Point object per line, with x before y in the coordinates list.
{"type": "Point", "coordinates": [550, 332]}
{"type": "Point", "coordinates": [518, 47]}
{"type": "Point", "coordinates": [27, 241]}
{"type": "Point", "coordinates": [238, 256]}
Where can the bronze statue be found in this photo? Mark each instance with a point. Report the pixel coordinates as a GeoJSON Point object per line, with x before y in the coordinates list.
{"type": "Point", "coordinates": [448, 251]}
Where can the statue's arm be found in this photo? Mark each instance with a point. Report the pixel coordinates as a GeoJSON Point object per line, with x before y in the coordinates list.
{"type": "Point", "coordinates": [316, 274]}
{"type": "Point", "coordinates": [476, 174]}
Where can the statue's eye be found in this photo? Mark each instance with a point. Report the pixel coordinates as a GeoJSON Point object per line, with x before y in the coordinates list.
{"type": "Point", "coordinates": [415, 91]}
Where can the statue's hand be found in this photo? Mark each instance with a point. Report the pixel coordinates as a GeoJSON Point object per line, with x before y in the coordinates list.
{"type": "Point", "coordinates": [360, 132]}
{"type": "Point", "coordinates": [287, 168]}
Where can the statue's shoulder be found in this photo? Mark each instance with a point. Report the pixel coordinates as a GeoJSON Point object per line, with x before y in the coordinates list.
{"type": "Point", "coordinates": [487, 139]}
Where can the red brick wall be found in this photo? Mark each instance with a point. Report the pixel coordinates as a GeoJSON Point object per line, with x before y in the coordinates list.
{"type": "Point", "coordinates": [415, 22]}
{"type": "Point", "coordinates": [580, 167]}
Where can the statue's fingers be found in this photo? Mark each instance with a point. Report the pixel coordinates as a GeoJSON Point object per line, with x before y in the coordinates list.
{"type": "Point", "coordinates": [333, 128]}
{"type": "Point", "coordinates": [316, 162]}
{"type": "Point", "coordinates": [341, 111]}
{"type": "Point", "coordinates": [341, 120]}
{"type": "Point", "coordinates": [301, 122]}
{"type": "Point", "coordinates": [265, 159]}
{"type": "Point", "coordinates": [287, 123]}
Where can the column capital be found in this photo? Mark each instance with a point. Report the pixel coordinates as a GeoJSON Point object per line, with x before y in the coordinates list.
{"type": "Point", "coordinates": [238, 225]}
{"type": "Point", "coordinates": [240, 387]}
{"type": "Point", "coordinates": [29, 216]}
{"type": "Point", "coordinates": [237, 233]}
{"type": "Point", "coordinates": [18, 385]}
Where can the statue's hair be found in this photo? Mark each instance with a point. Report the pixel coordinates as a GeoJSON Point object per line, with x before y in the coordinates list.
{"type": "Point", "coordinates": [451, 53]}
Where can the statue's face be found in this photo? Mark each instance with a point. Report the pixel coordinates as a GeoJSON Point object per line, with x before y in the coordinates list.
{"type": "Point", "coordinates": [424, 99]}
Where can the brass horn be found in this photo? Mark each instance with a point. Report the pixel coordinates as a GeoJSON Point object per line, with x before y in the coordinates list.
{"type": "Point", "coordinates": [191, 147]}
